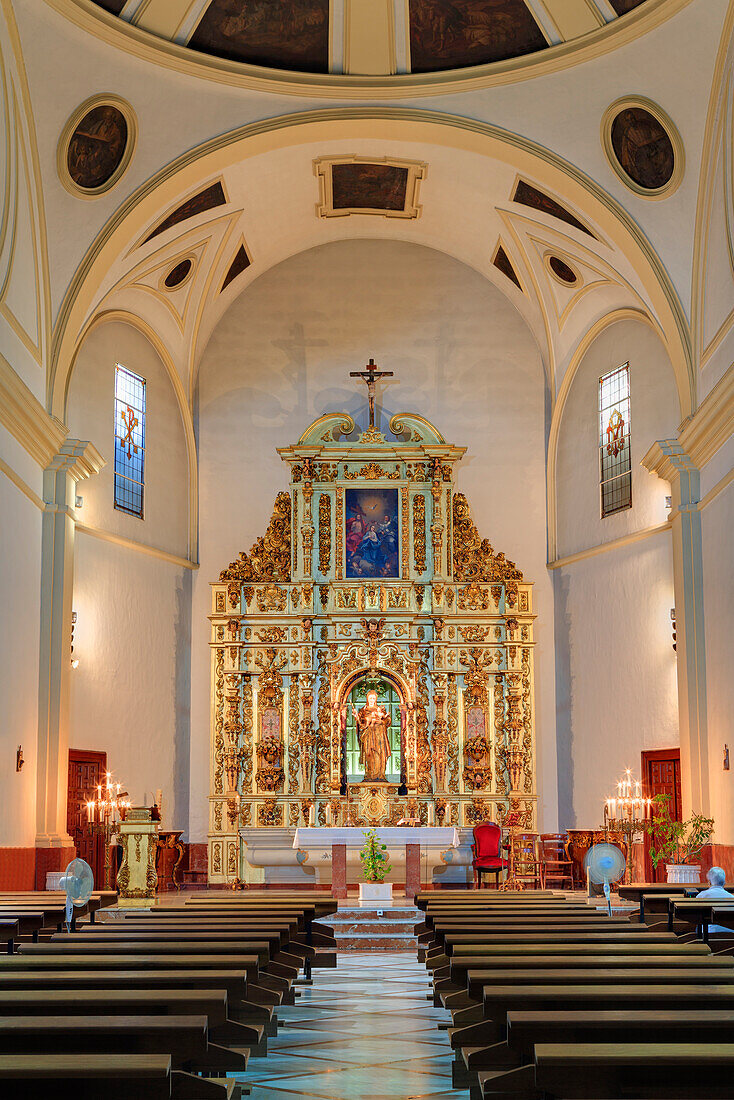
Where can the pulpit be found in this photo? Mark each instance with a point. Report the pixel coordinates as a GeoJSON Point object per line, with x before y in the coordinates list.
{"type": "Point", "coordinates": [137, 878]}
{"type": "Point", "coordinates": [430, 846]}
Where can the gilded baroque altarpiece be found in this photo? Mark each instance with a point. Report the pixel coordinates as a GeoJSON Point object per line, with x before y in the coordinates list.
{"type": "Point", "coordinates": [328, 603]}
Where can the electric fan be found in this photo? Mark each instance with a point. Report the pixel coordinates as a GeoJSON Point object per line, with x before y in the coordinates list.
{"type": "Point", "coordinates": [78, 882]}
{"type": "Point", "coordinates": [605, 863]}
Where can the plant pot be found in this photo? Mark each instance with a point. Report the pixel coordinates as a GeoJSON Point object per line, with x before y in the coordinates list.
{"type": "Point", "coordinates": [375, 891]}
{"type": "Point", "coordinates": [686, 873]}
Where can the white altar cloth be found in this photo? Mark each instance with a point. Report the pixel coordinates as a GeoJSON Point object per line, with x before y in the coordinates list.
{"type": "Point", "coordinates": [436, 837]}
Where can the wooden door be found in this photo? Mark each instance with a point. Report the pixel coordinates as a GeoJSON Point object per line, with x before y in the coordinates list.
{"type": "Point", "coordinates": [86, 770]}
{"type": "Point", "coordinates": [661, 775]}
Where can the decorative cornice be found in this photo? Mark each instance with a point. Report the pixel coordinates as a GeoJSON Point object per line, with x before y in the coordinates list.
{"type": "Point", "coordinates": [78, 458]}
{"type": "Point", "coordinates": [26, 419]}
{"type": "Point", "coordinates": [699, 437]}
{"type": "Point", "coordinates": [702, 434]}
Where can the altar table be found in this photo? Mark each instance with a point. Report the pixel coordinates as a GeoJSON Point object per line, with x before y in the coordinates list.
{"type": "Point", "coordinates": [436, 840]}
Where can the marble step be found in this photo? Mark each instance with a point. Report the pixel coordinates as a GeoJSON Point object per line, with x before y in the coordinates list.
{"type": "Point", "coordinates": [374, 941]}
{"type": "Point", "coordinates": [353, 927]}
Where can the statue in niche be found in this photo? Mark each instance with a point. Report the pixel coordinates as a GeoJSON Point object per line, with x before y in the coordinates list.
{"type": "Point", "coordinates": [373, 723]}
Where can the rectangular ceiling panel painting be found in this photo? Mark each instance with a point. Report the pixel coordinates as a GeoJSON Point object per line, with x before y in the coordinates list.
{"type": "Point", "coordinates": [452, 34]}
{"type": "Point", "coordinates": [369, 186]}
{"type": "Point", "coordinates": [289, 34]}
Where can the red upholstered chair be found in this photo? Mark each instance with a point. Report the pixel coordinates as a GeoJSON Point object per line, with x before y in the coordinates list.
{"type": "Point", "coordinates": [486, 851]}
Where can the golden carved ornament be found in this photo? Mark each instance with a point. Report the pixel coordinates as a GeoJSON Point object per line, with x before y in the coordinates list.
{"type": "Point", "coordinates": [419, 533]}
{"type": "Point", "coordinates": [474, 558]}
{"type": "Point", "coordinates": [404, 533]}
{"type": "Point", "coordinates": [325, 471]}
{"type": "Point", "coordinates": [473, 598]}
{"type": "Point", "coordinates": [474, 633]}
{"type": "Point", "coordinates": [371, 471]}
{"type": "Point", "coordinates": [339, 536]}
{"type": "Point", "coordinates": [272, 598]}
{"type": "Point", "coordinates": [270, 557]}
{"type": "Point", "coordinates": [324, 533]}
{"type": "Point", "coordinates": [272, 634]}
{"type": "Point", "coordinates": [270, 812]}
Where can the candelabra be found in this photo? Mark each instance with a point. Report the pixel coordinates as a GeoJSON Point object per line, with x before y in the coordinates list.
{"type": "Point", "coordinates": [627, 814]}
{"type": "Point", "coordinates": [104, 814]}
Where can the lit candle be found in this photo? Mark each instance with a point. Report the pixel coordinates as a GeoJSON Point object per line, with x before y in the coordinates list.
{"type": "Point", "coordinates": [90, 810]}
{"type": "Point", "coordinates": [311, 816]}
{"type": "Point", "coordinates": [431, 814]}
{"type": "Point", "coordinates": [329, 814]}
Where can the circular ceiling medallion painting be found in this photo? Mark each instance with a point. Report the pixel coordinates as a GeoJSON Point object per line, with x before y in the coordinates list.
{"type": "Point", "coordinates": [96, 145]}
{"type": "Point", "coordinates": [178, 274]}
{"type": "Point", "coordinates": [643, 147]}
{"type": "Point", "coordinates": [562, 271]}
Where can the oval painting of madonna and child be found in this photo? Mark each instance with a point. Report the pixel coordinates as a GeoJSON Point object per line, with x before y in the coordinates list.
{"type": "Point", "coordinates": [372, 536]}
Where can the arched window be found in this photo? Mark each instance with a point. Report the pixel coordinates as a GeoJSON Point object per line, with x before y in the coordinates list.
{"type": "Point", "coordinates": [129, 441]}
{"type": "Point", "coordinates": [615, 470]}
{"type": "Point", "coordinates": [388, 697]}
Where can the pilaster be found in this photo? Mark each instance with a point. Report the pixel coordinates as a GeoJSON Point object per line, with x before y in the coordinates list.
{"type": "Point", "coordinates": [75, 461]}
{"type": "Point", "coordinates": [669, 461]}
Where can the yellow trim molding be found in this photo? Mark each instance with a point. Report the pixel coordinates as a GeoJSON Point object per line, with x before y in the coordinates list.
{"type": "Point", "coordinates": [133, 544]}
{"type": "Point", "coordinates": [613, 544]}
{"type": "Point", "coordinates": [679, 156]}
{"type": "Point", "coordinates": [102, 100]}
{"type": "Point", "coordinates": [701, 435]}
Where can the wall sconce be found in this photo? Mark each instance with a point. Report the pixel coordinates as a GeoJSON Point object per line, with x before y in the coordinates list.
{"type": "Point", "coordinates": [675, 635]}
{"type": "Point", "coordinates": [79, 501]}
{"type": "Point", "coordinates": [74, 660]}
{"type": "Point", "coordinates": [19, 761]}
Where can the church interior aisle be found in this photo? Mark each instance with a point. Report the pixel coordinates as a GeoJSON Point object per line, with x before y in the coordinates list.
{"type": "Point", "coordinates": [365, 1030]}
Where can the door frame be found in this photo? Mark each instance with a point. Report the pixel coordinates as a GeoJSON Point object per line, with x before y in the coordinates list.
{"type": "Point", "coordinates": [647, 757]}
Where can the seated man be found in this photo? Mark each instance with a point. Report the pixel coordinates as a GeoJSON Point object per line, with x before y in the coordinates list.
{"type": "Point", "coordinates": [716, 877]}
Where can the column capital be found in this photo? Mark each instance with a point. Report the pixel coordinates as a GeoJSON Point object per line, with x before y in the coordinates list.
{"type": "Point", "coordinates": [668, 460]}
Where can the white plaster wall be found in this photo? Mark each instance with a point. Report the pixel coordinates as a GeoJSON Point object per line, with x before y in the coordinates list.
{"type": "Point", "coordinates": [717, 523]}
{"type": "Point", "coordinates": [654, 414]}
{"type": "Point", "coordinates": [130, 693]}
{"type": "Point", "coordinates": [90, 415]}
{"type": "Point", "coordinates": [20, 617]}
{"type": "Point", "coordinates": [616, 671]}
{"type": "Point", "coordinates": [462, 357]}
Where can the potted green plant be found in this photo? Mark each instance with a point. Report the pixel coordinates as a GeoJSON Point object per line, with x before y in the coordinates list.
{"type": "Point", "coordinates": [678, 843]}
{"type": "Point", "coordinates": [375, 865]}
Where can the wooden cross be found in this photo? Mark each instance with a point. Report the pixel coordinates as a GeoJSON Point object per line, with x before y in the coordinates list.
{"type": "Point", "coordinates": [370, 374]}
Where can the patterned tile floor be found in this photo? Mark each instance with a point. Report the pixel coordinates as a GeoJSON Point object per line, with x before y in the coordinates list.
{"type": "Point", "coordinates": [364, 1030]}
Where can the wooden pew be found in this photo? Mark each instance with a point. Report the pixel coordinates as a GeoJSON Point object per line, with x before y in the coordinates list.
{"type": "Point", "coordinates": [184, 1038]}
{"type": "Point", "coordinates": [525, 1029]}
{"type": "Point", "coordinates": [211, 1003]}
{"type": "Point", "coordinates": [116, 1077]}
{"type": "Point", "coordinates": [695, 912]}
{"type": "Point", "coordinates": [605, 1071]}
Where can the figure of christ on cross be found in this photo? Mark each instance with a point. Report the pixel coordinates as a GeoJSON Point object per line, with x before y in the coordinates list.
{"type": "Point", "coordinates": [370, 374]}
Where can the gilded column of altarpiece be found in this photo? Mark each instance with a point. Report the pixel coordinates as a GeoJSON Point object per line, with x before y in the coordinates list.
{"type": "Point", "coordinates": [371, 570]}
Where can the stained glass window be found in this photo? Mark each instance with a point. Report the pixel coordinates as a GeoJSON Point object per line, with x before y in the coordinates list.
{"type": "Point", "coordinates": [614, 441]}
{"type": "Point", "coordinates": [129, 441]}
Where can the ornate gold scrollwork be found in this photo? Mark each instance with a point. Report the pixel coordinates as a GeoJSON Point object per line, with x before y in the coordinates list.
{"type": "Point", "coordinates": [270, 557]}
{"type": "Point", "coordinates": [419, 533]}
{"type": "Point", "coordinates": [324, 533]}
{"type": "Point", "coordinates": [474, 558]}
{"type": "Point", "coordinates": [371, 471]}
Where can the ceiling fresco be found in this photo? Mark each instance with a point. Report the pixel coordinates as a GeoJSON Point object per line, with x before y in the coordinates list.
{"type": "Point", "coordinates": [369, 186]}
{"type": "Point", "coordinates": [451, 34]}
{"type": "Point", "coordinates": [286, 35]}
{"type": "Point", "coordinates": [312, 36]}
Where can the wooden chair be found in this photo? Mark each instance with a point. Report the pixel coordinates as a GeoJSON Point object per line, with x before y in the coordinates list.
{"type": "Point", "coordinates": [524, 858]}
{"type": "Point", "coordinates": [486, 851]}
{"type": "Point", "coordinates": [556, 866]}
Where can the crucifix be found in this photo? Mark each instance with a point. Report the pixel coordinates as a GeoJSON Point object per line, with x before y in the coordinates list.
{"type": "Point", "coordinates": [370, 374]}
